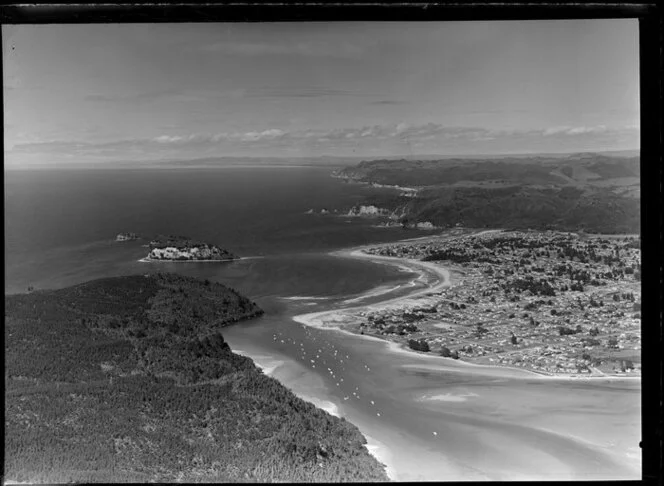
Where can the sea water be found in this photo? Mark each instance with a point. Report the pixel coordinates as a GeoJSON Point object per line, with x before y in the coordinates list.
{"type": "Point", "coordinates": [60, 226]}
{"type": "Point", "coordinates": [435, 419]}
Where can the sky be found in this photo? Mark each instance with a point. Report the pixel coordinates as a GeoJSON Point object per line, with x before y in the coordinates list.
{"type": "Point", "coordinates": [138, 92]}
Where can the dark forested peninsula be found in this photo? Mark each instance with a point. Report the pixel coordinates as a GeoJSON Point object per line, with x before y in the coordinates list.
{"type": "Point", "coordinates": [129, 379]}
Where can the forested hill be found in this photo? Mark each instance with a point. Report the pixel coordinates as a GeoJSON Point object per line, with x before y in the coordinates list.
{"type": "Point", "coordinates": [595, 192]}
{"type": "Point", "coordinates": [129, 379]}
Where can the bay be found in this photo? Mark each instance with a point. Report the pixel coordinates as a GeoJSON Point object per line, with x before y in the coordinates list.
{"type": "Point", "coordinates": [428, 418]}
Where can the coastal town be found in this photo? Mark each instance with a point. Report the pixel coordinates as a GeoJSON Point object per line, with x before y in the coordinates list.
{"type": "Point", "coordinates": [549, 302]}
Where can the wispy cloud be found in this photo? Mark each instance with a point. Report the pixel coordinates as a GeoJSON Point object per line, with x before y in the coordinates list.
{"type": "Point", "coordinates": [388, 102]}
{"type": "Point", "coordinates": [253, 136]}
{"type": "Point", "coordinates": [307, 49]}
{"type": "Point", "coordinates": [134, 98]}
{"type": "Point", "coordinates": [402, 136]}
{"type": "Point", "coordinates": [171, 95]}
{"type": "Point", "coordinates": [297, 92]}
{"type": "Point", "coordinates": [567, 130]}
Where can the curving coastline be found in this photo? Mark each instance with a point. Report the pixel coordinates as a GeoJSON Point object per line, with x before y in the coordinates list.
{"type": "Point", "coordinates": [150, 260]}
{"type": "Point", "coordinates": [147, 259]}
{"type": "Point", "coordinates": [439, 278]}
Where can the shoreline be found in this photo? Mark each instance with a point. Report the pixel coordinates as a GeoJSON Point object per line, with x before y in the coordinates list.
{"type": "Point", "coordinates": [443, 274]}
{"type": "Point", "coordinates": [154, 260]}
{"type": "Point", "coordinates": [268, 365]}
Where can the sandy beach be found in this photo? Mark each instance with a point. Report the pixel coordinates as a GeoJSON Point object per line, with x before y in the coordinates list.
{"type": "Point", "coordinates": [432, 279]}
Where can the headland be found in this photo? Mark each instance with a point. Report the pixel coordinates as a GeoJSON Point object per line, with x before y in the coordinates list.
{"type": "Point", "coordinates": [129, 379]}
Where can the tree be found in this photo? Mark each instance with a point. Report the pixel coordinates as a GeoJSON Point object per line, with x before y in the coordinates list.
{"type": "Point", "coordinates": [480, 331]}
{"type": "Point", "coordinates": [445, 352]}
{"type": "Point", "coordinates": [419, 345]}
{"type": "Point", "coordinates": [626, 365]}
{"type": "Point", "coordinates": [566, 331]}
{"type": "Point", "coordinates": [514, 340]}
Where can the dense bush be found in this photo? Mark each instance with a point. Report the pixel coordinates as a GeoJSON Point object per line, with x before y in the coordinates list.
{"type": "Point", "coordinates": [419, 345]}
{"type": "Point", "coordinates": [146, 389]}
{"type": "Point", "coordinates": [537, 287]}
{"type": "Point", "coordinates": [566, 331]}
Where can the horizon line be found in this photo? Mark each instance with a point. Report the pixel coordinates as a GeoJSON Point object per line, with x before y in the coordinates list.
{"type": "Point", "coordinates": [148, 163]}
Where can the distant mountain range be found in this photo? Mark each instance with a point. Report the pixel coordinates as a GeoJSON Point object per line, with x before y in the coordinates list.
{"type": "Point", "coordinates": [321, 160]}
{"type": "Point", "coordinates": [591, 191]}
{"type": "Point", "coordinates": [342, 161]}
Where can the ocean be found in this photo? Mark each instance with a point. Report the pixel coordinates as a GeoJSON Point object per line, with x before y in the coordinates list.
{"type": "Point", "coordinates": [60, 226]}
{"type": "Point", "coordinates": [428, 418]}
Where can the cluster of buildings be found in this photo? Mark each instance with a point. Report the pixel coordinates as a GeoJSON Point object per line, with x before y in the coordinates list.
{"type": "Point", "coordinates": [546, 301]}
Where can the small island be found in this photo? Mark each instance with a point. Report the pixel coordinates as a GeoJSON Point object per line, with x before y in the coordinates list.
{"type": "Point", "coordinates": [182, 248]}
{"type": "Point", "coordinates": [126, 237]}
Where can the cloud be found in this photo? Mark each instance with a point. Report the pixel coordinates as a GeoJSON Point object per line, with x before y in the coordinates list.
{"type": "Point", "coordinates": [167, 139]}
{"type": "Point", "coordinates": [134, 98]}
{"type": "Point", "coordinates": [288, 92]}
{"type": "Point", "coordinates": [390, 138]}
{"type": "Point", "coordinates": [555, 130]}
{"type": "Point", "coordinates": [388, 102]}
{"type": "Point", "coordinates": [252, 136]}
{"type": "Point", "coordinates": [582, 130]}
{"type": "Point", "coordinates": [168, 94]}
{"type": "Point", "coordinates": [297, 92]}
{"type": "Point", "coordinates": [306, 49]}
{"type": "Point", "coordinates": [567, 130]}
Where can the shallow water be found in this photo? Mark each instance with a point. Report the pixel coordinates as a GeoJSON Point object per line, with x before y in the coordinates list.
{"type": "Point", "coordinates": [486, 427]}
